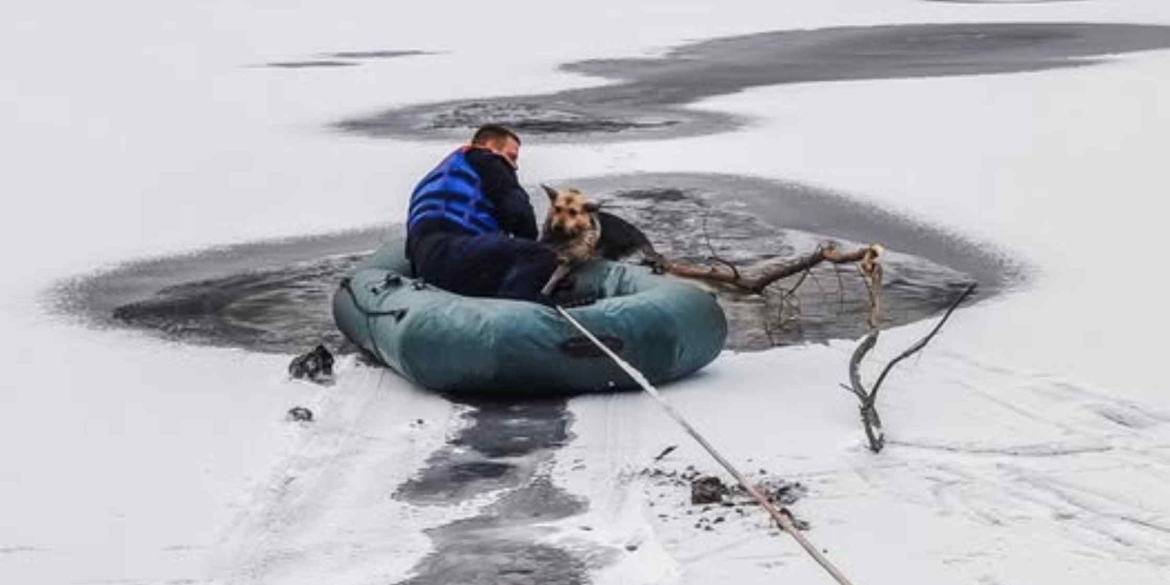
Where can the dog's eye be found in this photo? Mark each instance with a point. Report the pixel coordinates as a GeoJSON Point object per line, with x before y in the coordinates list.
{"type": "Point", "coordinates": [573, 213]}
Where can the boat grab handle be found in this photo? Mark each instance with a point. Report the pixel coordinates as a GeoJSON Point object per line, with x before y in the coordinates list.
{"type": "Point", "coordinates": [581, 347]}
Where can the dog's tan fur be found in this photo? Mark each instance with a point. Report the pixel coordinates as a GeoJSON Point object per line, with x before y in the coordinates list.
{"type": "Point", "coordinates": [571, 229]}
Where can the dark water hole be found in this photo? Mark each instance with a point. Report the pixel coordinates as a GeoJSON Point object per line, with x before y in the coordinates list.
{"type": "Point", "coordinates": [274, 297]}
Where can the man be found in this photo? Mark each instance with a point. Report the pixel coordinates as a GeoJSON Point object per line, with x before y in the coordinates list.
{"type": "Point", "coordinates": [471, 229]}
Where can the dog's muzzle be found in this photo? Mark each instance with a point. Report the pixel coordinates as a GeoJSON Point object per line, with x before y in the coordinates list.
{"type": "Point", "coordinates": [559, 232]}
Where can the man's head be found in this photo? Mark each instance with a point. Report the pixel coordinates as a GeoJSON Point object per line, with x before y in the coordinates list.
{"type": "Point", "coordinates": [500, 140]}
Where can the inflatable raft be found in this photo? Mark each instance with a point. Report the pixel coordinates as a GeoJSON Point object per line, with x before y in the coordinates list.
{"type": "Point", "coordinates": [665, 327]}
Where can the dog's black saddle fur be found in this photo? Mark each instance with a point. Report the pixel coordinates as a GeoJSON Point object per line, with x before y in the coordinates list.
{"type": "Point", "coordinates": [621, 239]}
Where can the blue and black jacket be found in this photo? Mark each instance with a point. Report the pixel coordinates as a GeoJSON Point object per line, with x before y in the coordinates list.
{"type": "Point", "coordinates": [473, 191]}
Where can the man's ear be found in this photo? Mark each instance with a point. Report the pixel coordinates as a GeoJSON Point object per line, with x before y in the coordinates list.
{"type": "Point", "coordinates": [552, 193]}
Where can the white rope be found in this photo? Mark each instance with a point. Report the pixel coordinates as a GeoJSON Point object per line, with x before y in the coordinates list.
{"type": "Point", "coordinates": [781, 516]}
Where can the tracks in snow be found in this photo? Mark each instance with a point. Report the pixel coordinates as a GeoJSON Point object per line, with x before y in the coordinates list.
{"type": "Point", "coordinates": [324, 513]}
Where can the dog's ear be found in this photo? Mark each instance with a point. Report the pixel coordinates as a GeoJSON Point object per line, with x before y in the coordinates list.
{"type": "Point", "coordinates": [552, 193]}
{"type": "Point", "coordinates": [593, 206]}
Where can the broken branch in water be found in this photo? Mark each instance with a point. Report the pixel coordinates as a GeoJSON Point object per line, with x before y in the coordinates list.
{"type": "Point", "coordinates": [715, 257]}
{"type": "Point", "coordinates": [756, 279]}
{"type": "Point", "coordinates": [761, 276]}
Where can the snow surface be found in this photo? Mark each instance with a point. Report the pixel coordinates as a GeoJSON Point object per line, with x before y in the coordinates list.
{"type": "Point", "coordinates": [1029, 444]}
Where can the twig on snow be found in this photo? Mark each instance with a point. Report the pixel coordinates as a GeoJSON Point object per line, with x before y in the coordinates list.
{"type": "Point", "coordinates": [868, 398]}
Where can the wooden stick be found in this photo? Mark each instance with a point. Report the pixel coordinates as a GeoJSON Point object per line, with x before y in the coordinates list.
{"type": "Point", "coordinates": [769, 272]}
{"type": "Point", "coordinates": [869, 416]}
{"type": "Point", "coordinates": [921, 343]}
{"type": "Point", "coordinates": [780, 515]}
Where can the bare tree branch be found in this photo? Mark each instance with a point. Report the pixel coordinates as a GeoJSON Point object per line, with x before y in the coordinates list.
{"type": "Point", "coordinates": [869, 414]}
{"type": "Point", "coordinates": [859, 354]}
{"type": "Point", "coordinates": [766, 273]}
{"type": "Point", "coordinates": [756, 279]}
{"type": "Point", "coordinates": [920, 344]}
{"type": "Point", "coordinates": [715, 257]}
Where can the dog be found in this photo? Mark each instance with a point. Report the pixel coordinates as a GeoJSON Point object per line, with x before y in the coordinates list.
{"type": "Point", "coordinates": [578, 231]}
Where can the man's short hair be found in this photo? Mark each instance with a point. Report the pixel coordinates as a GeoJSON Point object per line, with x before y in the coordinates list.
{"type": "Point", "coordinates": [490, 132]}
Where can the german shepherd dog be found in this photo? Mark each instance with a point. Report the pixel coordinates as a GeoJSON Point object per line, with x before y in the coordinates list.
{"type": "Point", "coordinates": [578, 231]}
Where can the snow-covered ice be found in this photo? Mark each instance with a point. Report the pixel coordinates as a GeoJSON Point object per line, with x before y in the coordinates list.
{"type": "Point", "coordinates": [1030, 442]}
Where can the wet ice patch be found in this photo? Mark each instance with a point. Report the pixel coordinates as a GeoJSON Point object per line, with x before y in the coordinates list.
{"type": "Point", "coordinates": [647, 97]}
{"type": "Point", "coordinates": [312, 64]}
{"type": "Point", "coordinates": [502, 543]}
{"type": "Point", "coordinates": [497, 446]}
{"type": "Point", "coordinates": [378, 54]}
{"type": "Point", "coordinates": [344, 59]}
{"type": "Point", "coordinates": [535, 118]}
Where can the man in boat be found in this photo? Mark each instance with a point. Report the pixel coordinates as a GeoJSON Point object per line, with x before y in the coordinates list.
{"type": "Point", "coordinates": [471, 229]}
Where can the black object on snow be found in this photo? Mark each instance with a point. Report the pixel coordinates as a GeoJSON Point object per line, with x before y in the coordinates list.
{"type": "Point", "coordinates": [708, 490]}
{"type": "Point", "coordinates": [315, 365]}
{"type": "Point", "coordinates": [788, 493]}
{"type": "Point", "coordinates": [300, 414]}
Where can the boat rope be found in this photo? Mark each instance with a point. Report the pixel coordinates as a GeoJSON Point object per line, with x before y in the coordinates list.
{"type": "Point", "coordinates": [780, 515]}
{"type": "Point", "coordinates": [347, 285]}
{"type": "Point", "coordinates": [398, 314]}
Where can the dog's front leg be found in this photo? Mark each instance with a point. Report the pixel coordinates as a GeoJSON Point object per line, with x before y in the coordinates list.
{"type": "Point", "coordinates": [561, 271]}
{"type": "Point", "coordinates": [657, 262]}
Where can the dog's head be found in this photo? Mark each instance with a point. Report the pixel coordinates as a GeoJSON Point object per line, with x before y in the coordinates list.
{"type": "Point", "coordinates": [569, 213]}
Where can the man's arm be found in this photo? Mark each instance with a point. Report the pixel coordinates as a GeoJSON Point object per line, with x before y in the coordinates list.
{"type": "Point", "coordinates": [500, 185]}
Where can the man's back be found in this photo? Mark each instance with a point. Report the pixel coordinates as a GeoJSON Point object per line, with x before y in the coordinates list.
{"type": "Point", "coordinates": [507, 202]}
{"type": "Point", "coordinates": [471, 229]}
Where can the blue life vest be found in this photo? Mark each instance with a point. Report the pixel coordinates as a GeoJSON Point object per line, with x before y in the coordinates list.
{"type": "Point", "coordinates": [452, 192]}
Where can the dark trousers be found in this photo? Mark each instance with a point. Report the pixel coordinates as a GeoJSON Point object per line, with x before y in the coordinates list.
{"type": "Point", "coordinates": [487, 265]}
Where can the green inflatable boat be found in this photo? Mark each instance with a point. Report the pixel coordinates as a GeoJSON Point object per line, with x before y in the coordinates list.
{"type": "Point", "coordinates": [665, 327]}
